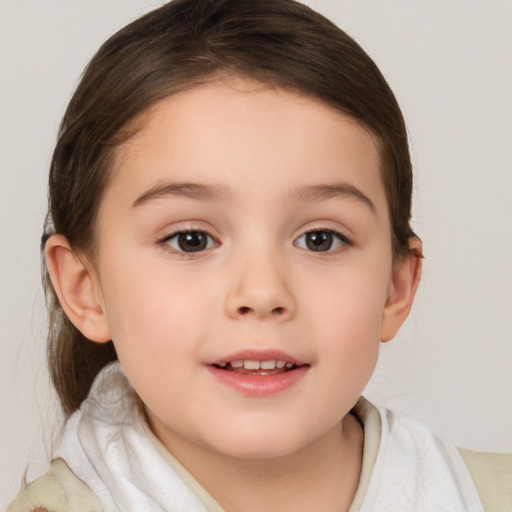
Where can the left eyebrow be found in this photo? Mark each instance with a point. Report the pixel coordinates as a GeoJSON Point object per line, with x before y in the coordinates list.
{"type": "Point", "coordinates": [197, 191]}
{"type": "Point", "coordinates": [327, 191]}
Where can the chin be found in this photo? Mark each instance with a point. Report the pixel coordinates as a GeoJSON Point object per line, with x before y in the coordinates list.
{"type": "Point", "coordinates": [262, 444]}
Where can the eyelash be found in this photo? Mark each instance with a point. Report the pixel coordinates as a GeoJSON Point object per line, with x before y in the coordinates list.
{"type": "Point", "coordinates": [343, 240]}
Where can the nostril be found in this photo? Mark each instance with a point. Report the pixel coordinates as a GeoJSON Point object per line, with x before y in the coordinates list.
{"type": "Point", "coordinates": [246, 310]}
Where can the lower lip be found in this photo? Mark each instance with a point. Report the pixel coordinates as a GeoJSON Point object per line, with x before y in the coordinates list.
{"type": "Point", "coordinates": [259, 385]}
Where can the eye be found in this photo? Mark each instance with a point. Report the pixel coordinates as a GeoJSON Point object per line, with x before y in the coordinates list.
{"type": "Point", "coordinates": [322, 240]}
{"type": "Point", "coordinates": [190, 241]}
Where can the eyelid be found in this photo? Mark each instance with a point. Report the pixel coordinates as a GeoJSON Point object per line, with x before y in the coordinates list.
{"type": "Point", "coordinates": [186, 226]}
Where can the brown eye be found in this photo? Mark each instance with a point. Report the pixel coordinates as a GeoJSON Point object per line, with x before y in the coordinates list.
{"type": "Point", "coordinates": [321, 240]}
{"type": "Point", "coordinates": [190, 241]}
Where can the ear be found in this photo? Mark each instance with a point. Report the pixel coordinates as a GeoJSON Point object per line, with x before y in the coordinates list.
{"type": "Point", "coordinates": [78, 289]}
{"type": "Point", "coordinates": [402, 289]}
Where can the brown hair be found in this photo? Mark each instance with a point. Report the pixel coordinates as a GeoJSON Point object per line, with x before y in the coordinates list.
{"type": "Point", "coordinates": [177, 46]}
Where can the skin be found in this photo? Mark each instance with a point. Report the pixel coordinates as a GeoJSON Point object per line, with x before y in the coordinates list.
{"type": "Point", "coordinates": [256, 286]}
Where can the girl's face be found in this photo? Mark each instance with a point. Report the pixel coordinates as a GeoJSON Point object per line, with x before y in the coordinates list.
{"type": "Point", "coordinates": [246, 226]}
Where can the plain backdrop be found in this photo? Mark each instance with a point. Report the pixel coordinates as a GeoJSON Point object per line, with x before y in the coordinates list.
{"type": "Point", "coordinates": [450, 65]}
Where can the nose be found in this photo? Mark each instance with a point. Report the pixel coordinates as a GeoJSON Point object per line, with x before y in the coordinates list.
{"type": "Point", "coordinates": [258, 289]}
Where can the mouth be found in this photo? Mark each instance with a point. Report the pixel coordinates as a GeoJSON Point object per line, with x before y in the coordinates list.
{"type": "Point", "coordinates": [256, 367]}
{"type": "Point", "coordinates": [259, 373]}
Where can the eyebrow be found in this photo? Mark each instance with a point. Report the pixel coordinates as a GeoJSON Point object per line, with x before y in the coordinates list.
{"type": "Point", "coordinates": [210, 192]}
{"type": "Point", "coordinates": [311, 193]}
{"type": "Point", "coordinates": [197, 191]}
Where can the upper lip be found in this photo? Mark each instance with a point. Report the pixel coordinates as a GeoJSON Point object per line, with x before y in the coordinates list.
{"type": "Point", "coordinates": [259, 355]}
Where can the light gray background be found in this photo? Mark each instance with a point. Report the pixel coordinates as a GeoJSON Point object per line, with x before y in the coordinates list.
{"type": "Point", "coordinates": [450, 65]}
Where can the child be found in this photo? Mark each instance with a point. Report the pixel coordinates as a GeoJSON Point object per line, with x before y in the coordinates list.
{"type": "Point", "coordinates": [228, 243]}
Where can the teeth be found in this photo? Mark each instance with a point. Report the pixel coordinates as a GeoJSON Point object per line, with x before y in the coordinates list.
{"type": "Point", "coordinates": [250, 364]}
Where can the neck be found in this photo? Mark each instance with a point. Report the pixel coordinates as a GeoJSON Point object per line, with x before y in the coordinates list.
{"type": "Point", "coordinates": [321, 476]}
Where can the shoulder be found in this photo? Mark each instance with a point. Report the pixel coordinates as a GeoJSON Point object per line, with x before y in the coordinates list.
{"type": "Point", "coordinates": [59, 490]}
{"type": "Point", "coordinates": [492, 475]}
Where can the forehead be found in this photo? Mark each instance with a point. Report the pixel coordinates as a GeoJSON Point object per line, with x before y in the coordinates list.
{"type": "Point", "coordinates": [244, 134]}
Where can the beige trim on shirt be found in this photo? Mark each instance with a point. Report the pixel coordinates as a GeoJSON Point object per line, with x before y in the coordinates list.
{"type": "Point", "coordinates": [59, 490]}
{"type": "Point", "coordinates": [369, 417]}
{"type": "Point", "coordinates": [492, 475]}
{"type": "Point", "coordinates": [206, 498]}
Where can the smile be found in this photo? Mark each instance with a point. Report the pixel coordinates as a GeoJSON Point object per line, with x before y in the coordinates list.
{"type": "Point", "coordinates": [254, 367]}
{"type": "Point", "coordinates": [259, 373]}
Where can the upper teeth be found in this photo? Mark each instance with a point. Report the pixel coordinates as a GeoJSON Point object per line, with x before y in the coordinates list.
{"type": "Point", "coordinates": [249, 364]}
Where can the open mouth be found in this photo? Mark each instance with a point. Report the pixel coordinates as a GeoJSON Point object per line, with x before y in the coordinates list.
{"type": "Point", "coordinates": [252, 367]}
{"type": "Point", "coordinates": [259, 375]}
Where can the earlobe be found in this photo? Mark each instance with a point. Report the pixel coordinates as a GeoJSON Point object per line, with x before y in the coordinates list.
{"type": "Point", "coordinates": [77, 288]}
{"type": "Point", "coordinates": [402, 289]}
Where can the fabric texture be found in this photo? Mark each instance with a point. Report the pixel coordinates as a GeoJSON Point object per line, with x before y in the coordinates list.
{"type": "Point", "coordinates": [416, 470]}
{"type": "Point", "coordinates": [492, 474]}
{"type": "Point", "coordinates": [117, 465]}
{"type": "Point", "coordinates": [59, 490]}
{"type": "Point", "coordinates": [106, 446]}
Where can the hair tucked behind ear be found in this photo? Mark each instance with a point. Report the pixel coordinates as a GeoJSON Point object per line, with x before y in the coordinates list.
{"type": "Point", "coordinates": [182, 44]}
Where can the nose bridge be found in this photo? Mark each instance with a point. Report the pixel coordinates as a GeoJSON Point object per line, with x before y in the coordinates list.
{"type": "Point", "coordinates": [259, 287]}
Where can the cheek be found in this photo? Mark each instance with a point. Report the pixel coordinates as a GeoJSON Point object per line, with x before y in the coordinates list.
{"type": "Point", "coordinates": [346, 335]}
{"type": "Point", "coordinates": [156, 335]}
{"type": "Point", "coordinates": [347, 317]}
{"type": "Point", "coordinates": [350, 338]}
{"type": "Point", "coordinates": [153, 316]}
{"type": "Point", "coordinates": [351, 301]}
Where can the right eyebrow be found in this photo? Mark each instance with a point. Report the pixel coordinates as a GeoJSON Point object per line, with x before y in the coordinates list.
{"type": "Point", "coordinates": [199, 191]}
